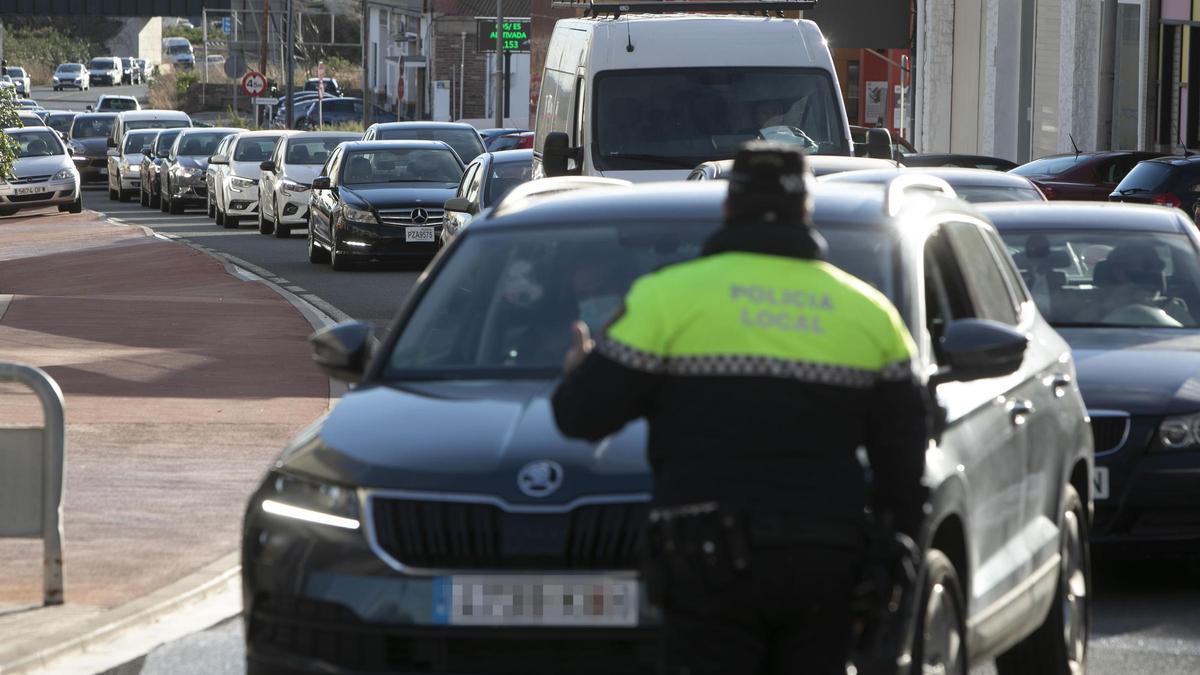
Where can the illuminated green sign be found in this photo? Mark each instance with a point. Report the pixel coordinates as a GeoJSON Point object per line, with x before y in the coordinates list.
{"type": "Point", "coordinates": [516, 35]}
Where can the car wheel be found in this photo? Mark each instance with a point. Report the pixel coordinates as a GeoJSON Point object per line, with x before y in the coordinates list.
{"type": "Point", "coordinates": [123, 195]}
{"type": "Point", "coordinates": [143, 197]}
{"type": "Point", "coordinates": [155, 200]}
{"type": "Point", "coordinates": [281, 231]}
{"type": "Point", "coordinates": [112, 195]}
{"type": "Point", "coordinates": [316, 254]}
{"type": "Point", "coordinates": [7, 212]}
{"type": "Point", "coordinates": [212, 211]}
{"type": "Point", "coordinates": [940, 645]}
{"type": "Point", "coordinates": [1059, 645]}
{"type": "Point", "coordinates": [174, 208]}
{"type": "Point", "coordinates": [219, 216]}
{"type": "Point", "coordinates": [163, 201]}
{"type": "Point", "coordinates": [264, 225]}
{"type": "Point", "coordinates": [231, 222]}
{"type": "Point", "coordinates": [339, 262]}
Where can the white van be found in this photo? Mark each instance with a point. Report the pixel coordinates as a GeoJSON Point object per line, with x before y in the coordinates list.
{"type": "Point", "coordinates": [648, 97]}
{"type": "Point", "coordinates": [179, 51]}
{"type": "Point", "coordinates": [145, 119]}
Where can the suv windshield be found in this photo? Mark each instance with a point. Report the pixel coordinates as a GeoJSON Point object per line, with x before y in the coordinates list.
{"type": "Point", "coordinates": [92, 126]}
{"type": "Point", "coordinates": [680, 117]}
{"type": "Point", "coordinates": [1049, 166]}
{"type": "Point", "coordinates": [306, 150]}
{"type": "Point", "coordinates": [179, 49]}
{"type": "Point", "coordinates": [465, 142]}
{"type": "Point", "coordinates": [102, 64]}
{"type": "Point", "coordinates": [1112, 279]}
{"type": "Point", "coordinates": [36, 143]}
{"type": "Point", "coordinates": [138, 142]}
{"type": "Point", "coordinates": [504, 301]}
{"type": "Point", "coordinates": [401, 165]}
{"type": "Point", "coordinates": [255, 149]}
{"type": "Point", "coordinates": [200, 144]}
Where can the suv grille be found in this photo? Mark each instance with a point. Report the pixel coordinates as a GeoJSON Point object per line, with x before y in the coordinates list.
{"type": "Point", "coordinates": [405, 217]}
{"type": "Point", "coordinates": [1108, 432]}
{"type": "Point", "coordinates": [460, 535]}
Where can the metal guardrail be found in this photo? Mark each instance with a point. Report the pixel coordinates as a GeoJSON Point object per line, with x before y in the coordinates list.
{"type": "Point", "coordinates": [32, 462]}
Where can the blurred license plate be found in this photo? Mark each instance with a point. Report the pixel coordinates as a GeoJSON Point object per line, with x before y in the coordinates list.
{"type": "Point", "coordinates": [103, 171]}
{"type": "Point", "coordinates": [418, 234]}
{"type": "Point", "coordinates": [535, 600]}
{"type": "Point", "coordinates": [30, 190]}
{"type": "Point", "coordinates": [1100, 483]}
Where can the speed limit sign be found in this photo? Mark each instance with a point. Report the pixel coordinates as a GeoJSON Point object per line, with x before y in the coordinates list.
{"type": "Point", "coordinates": [254, 84]}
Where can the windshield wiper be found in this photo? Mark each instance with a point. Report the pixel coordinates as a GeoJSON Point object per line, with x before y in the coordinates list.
{"type": "Point", "coordinates": [1132, 190]}
{"type": "Point", "coordinates": [659, 159]}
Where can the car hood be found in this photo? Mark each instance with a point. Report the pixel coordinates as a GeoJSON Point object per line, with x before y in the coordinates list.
{"type": "Point", "coordinates": [40, 166]}
{"type": "Point", "coordinates": [647, 175]}
{"type": "Point", "coordinates": [92, 146]}
{"type": "Point", "coordinates": [245, 169]}
{"type": "Point", "coordinates": [188, 162]}
{"type": "Point", "coordinates": [302, 173]}
{"type": "Point", "coordinates": [1141, 371]}
{"type": "Point", "coordinates": [463, 437]}
{"type": "Point", "coordinates": [388, 195]}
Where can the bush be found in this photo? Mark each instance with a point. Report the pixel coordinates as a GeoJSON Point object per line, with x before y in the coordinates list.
{"type": "Point", "coordinates": [8, 119]}
{"type": "Point", "coordinates": [40, 49]}
{"type": "Point", "coordinates": [193, 35]}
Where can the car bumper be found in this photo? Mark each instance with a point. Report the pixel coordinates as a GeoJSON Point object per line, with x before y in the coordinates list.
{"type": "Point", "coordinates": [104, 79]}
{"type": "Point", "coordinates": [241, 201]}
{"type": "Point", "coordinates": [293, 208]}
{"type": "Point", "coordinates": [189, 193]}
{"type": "Point", "coordinates": [317, 599]}
{"type": "Point", "coordinates": [131, 181]}
{"type": "Point", "coordinates": [51, 193]}
{"type": "Point", "coordinates": [384, 242]}
{"type": "Point", "coordinates": [93, 169]}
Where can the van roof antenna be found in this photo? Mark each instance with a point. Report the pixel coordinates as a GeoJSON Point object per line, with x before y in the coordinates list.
{"type": "Point", "coordinates": [1073, 145]}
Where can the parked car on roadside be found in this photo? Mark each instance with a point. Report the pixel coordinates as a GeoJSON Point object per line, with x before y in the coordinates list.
{"type": "Point", "coordinates": [1121, 283]}
{"type": "Point", "coordinates": [462, 137]}
{"type": "Point", "coordinates": [337, 111]}
{"type": "Point", "coordinates": [286, 179]}
{"type": "Point", "coordinates": [487, 179]}
{"type": "Point", "coordinates": [235, 190]}
{"type": "Point", "coordinates": [105, 70]}
{"type": "Point", "coordinates": [391, 495]}
{"type": "Point", "coordinates": [1089, 176]}
{"type": "Point", "coordinates": [181, 175]}
{"type": "Point", "coordinates": [1172, 181]}
{"type": "Point", "coordinates": [20, 79]}
{"type": "Point", "coordinates": [74, 75]}
{"type": "Point", "coordinates": [125, 164]}
{"type": "Point", "coordinates": [332, 88]}
{"type": "Point", "coordinates": [43, 173]}
{"type": "Point", "coordinates": [386, 199]}
{"type": "Point", "coordinates": [971, 185]}
{"type": "Point", "coordinates": [89, 138]}
{"type": "Point", "coordinates": [150, 193]}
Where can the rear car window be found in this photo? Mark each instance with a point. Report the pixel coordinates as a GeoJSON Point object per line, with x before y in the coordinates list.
{"type": "Point", "coordinates": [1050, 166]}
{"type": "Point", "coordinates": [1146, 176]}
{"type": "Point", "coordinates": [465, 142]}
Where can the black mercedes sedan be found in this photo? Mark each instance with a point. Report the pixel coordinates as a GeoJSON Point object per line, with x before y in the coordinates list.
{"type": "Point", "coordinates": [381, 200]}
{"type": "Point", "coordinates": [436, 521]}
{"type": "Point", "coordinates": [1121, 283]}
{"type": "Point", "coordinates": [88, 140]}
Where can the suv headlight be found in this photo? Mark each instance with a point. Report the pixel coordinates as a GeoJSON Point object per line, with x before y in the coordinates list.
{"type": "Point", "coordinates": [1179, 432]}
{"type": "Point", "coordinates": [298, 498]}
{"type": "Point", "coordinates": [241, 183]}
{"type": "Point", "coordinates": [293, 186]}
{"type": "Point", "coordinates": [359, 215]}
{"type": "Point", "coordinates": [64, 174]}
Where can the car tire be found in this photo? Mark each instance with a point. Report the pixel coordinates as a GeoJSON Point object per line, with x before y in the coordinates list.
{"type": "Point", "coordinates": [316, 254]}
{"type": "Point", "coordinates": [338, 262]}
{"type": "Point", "coordinates": [281, 231]}
{"type": "Point", "coordinates": [174, 208]}
{"type": "Point", "coordinates": [77, 205]}
{"type": "Point", "coordinates": [143, 197]}
{"type": "Point", "coordinates": [1059, 645]}
{"type": "Point", "coordinates": [8, 212]}
{"type": "Point", "coordinates": [940, 643]}
{"type": "Point", "coordinates": [163, 202]}
{"type": "Point", "coordinates": [219, 217]}
{"type": "Point", "coordinates": [123, 195]}
{"type": "Point", "coordinates": [212, 211]}
{"type": "Point", "coordinates": [264, 225]}
{"type": "Point", "coordinates": [155, 199]}
{"type": "Point", "coordinates": [231, 222]}
{"type": "Point", "coordinates": [112, 195]}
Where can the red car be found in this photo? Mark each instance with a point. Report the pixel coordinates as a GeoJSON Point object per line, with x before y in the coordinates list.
{"type": "Point", "coordinates": [1088, 176]}
{"type": "Point", "coordinates": [517, 141]}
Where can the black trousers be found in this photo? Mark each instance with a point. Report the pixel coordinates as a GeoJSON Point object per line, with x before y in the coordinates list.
{"type": "Point", "coordinates": [788, 613]}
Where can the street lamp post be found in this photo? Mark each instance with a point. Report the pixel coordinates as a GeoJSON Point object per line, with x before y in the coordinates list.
{"type": "Point", "coordinates": [499, 59]}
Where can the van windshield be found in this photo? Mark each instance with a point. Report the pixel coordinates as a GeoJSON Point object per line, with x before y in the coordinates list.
{"type": "Point", "coordinates": [680, 117]}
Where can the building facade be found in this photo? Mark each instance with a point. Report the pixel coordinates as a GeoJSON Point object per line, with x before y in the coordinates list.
{"type": "Point", "coordinates": [465, 69]}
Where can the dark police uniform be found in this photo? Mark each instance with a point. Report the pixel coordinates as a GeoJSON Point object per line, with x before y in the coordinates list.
{"type": "Point", "coordinates": [761, 370]}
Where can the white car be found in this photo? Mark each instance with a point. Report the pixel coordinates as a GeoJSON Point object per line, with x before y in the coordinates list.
{"type": "Point", "coordinates": [125, 164]}
{"type": "Point", "coordinates": [74, 75]}
{"type": "Point", "coordinates": [283, 189]}
{"type": "Point", "coordinates": [20, 79]}
{"type": "Point", "coordinates": [235, 186]}
{"type": "Point", "coordinates": [214, 173]}
{"type": "Point", "coordinates": [105, 70]}
{"type": "Point", "coordinates": [111, 103]}
{"type": "Point", "coordinates": [43, 175]}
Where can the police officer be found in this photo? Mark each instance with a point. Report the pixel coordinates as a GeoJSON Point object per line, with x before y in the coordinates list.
{"type": "Point", "coordinates": [760, 369]}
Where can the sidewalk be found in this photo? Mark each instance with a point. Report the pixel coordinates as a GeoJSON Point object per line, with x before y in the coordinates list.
{"type": "Point", "coordinates": [182, 382]}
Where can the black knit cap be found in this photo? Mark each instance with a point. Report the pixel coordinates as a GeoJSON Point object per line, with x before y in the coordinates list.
{"type": "Point", "coordinates": [769, 184]}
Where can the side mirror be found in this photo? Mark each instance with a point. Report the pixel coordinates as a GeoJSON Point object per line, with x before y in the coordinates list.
{"type": "Point", "coordinates": [112, 142]}
{"type": "Point", "coordinates": [879, 143]}
{"type": "Point", "coordinates": [267, 166]}
{"type": "Point", "coordinates": [556, 152]}
{"type": "Point", "coordinates": [113, 152]}
{"type": "Point", "coordinates": [218, 159]}
{"type": "Point", "coordinates": [974, 349]}
{"type": "Point", "coordinates": [342, 350]}
{"type": "Point", "coordinates": [88, 108]}
{"type": "Point", "coordinates": [321, 183]}
{"type": "Point", "coordinates": [460, 204]}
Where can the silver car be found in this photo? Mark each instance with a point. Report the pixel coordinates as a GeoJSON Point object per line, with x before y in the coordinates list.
{"type": "Point", "coordinates": [287, 177]}
{"type": "Point", "coordinates": [43, 174]}
{"type": "Point", "coordinates": [125, 164]}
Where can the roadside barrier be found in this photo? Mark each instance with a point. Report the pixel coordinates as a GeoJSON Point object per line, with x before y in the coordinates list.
{"type": "Point", "coordinates": [31, 476]}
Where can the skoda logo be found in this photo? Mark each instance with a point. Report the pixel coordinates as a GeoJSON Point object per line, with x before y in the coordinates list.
{"type": "Point", "coordinates": [419, 216]}
{"type": "Point", "coordinates": [541, 478]}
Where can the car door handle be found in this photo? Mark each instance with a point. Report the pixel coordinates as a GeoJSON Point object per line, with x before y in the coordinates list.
{"type": "Point", "coordinates": [1059, 382]}
{"type": "Point", "coordinates": [1019, 412]}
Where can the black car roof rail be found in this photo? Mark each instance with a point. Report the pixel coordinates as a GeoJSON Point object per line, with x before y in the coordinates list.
{"type": "Point", "coordinates": [597, 8]}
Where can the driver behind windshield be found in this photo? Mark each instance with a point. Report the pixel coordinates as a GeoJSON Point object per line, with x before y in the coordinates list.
{"type": "Point", "coordinates": [1133, 280]}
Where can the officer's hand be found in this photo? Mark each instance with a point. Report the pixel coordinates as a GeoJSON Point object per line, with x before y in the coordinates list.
{"type": "Point", "coordinates": [581, 344]}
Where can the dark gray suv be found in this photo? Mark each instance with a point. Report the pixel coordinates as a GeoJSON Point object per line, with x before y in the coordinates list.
{"type": "Point", "coordinates": [436, 521]}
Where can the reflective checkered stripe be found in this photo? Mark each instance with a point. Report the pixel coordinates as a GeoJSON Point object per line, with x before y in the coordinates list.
{"type": "Point", "coordinates": [740, 365]}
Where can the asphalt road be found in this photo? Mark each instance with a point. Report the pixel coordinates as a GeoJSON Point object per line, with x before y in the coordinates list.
{"type": "Point", "coordinates": [70, 99]}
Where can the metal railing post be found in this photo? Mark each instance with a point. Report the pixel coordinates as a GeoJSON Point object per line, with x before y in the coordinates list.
{"type": "Point", "coordinates": [53, 462]}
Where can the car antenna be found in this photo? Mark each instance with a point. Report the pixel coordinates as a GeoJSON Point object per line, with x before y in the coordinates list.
{"type": "Point", "coordinates": [1186, 152]}
{"type": "Point", "coordinates": [1073, 145]}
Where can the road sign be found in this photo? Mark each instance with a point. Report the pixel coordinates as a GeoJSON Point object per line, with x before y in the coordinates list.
{"type": "Point", "coordinates": [227, 24]}
{"type": "Point", "coordinates": [235, 65]}
{"type": "Point", "coordinates": [266, 100]}
{"type": "Point", "coordinates": [516, 35]}
{"type": "Point", "coordinates": [253, 83]}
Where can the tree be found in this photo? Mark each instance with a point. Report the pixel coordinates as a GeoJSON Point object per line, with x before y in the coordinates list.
{"type": "Point", "coordinates": [8, 120]}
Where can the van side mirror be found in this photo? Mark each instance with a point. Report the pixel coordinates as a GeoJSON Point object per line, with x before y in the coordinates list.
{"type": "Point", "coordinates": [879, 143]}
{"type": "Point", "coordinates": [974, 349]}
{"type": "Point", "coordinates": [343, 350]}
{"type": "Point", "coordinates": [556, 153]}
{"type": "Point", "coordinates": [267, 166]}
{"type": "Point", "coordinates": [321, 183]}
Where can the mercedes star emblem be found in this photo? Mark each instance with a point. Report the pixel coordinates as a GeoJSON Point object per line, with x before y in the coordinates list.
{"type": "Point", "coordinates": [541, 478]}
{"type": "Point", "coordinates": [420, 216]}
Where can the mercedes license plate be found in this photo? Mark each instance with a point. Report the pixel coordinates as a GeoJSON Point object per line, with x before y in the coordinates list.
{"type": "Point", "coordinates": [1100, 483]}
{"type": "Point", "coordinates": [418, 234]}
{"type": "Point", "coordinates": [30, 190]}
{"type": "Point", "coordinates": [103, 171]}
{"type": "Point", "coordinates": [535, 600]}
